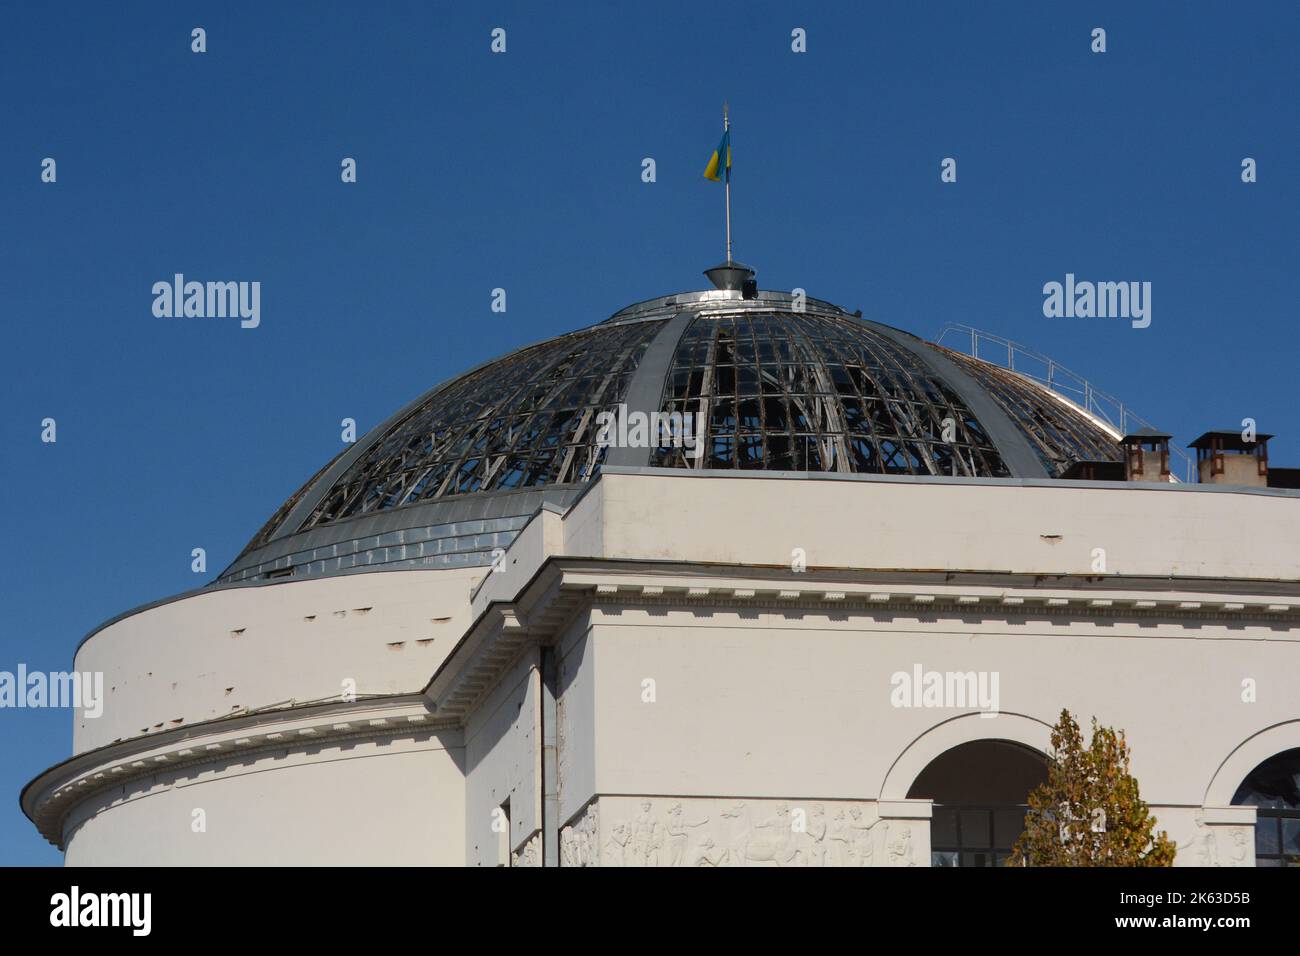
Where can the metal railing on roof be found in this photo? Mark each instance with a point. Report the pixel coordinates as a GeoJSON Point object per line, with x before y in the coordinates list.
{"type": "Point", "coordinates": [1057, 378]}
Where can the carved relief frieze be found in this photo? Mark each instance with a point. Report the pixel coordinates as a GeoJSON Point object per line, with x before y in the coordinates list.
{"type": "Point", "coordinates": [530, 853]}
{"type": "Point", "coordinates": [580, 840]}
{"type": "Point", "coordinates": [1215, 844]}
{"type": "Point", "coordinates": [667, 831]}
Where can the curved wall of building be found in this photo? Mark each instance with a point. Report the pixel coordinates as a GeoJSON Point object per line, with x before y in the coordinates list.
{"type": "Point", "coordinates": [367, 803]}
{"type": "Point", "coordinates": [236, 650]}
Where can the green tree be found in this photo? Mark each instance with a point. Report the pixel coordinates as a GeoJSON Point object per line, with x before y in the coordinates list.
{"type": "Point", "coordinates": [1089, 813]}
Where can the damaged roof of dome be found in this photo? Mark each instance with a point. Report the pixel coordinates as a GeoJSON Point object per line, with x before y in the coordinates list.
{"type": "Point", "coordinates": [768, 381]}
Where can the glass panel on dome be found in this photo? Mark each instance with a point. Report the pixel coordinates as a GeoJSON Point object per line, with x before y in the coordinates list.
{"type": "Point", "coordinates": [1058, 433]}
{"type": "Point", "coordinates": [528, 419]}
{"type": "Point", "coordinates": [817, 392]}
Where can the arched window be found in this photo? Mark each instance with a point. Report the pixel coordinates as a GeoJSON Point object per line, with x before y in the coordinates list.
{"type": "Point", "coordinates": [980, 791]}
{"type": "Point", "coordinates": [1273, 789]}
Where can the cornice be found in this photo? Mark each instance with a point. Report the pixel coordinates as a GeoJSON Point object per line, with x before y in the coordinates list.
{"type": "Point", "coordinates": [49, 798]}
{"type": "Point", "coordinates": [989, 602]}
{"type": "Point", "coordinates": [563, 586]}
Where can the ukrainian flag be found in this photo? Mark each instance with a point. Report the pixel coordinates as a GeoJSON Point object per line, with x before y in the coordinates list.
{"type": "Point", "coordinates": [720, 160]}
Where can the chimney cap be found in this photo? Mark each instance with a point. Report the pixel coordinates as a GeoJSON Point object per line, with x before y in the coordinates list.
{"type": "Point", "coordinates": [1228, 439]}
{"type": "Point", "coordinates": [1144, 435]}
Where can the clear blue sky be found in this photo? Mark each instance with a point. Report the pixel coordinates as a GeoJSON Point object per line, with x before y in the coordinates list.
{"type": "Point", "coordinates": [523, 171]}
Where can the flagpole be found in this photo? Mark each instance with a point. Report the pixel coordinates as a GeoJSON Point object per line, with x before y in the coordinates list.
{"type": "Point", "coordinates": [726, 125]}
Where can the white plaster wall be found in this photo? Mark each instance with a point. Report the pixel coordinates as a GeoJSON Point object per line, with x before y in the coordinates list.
{"type": "Point", "coordinates": [584, 522]}
{"type": "Point", "coordinates": [502, 759]}
{"type": "Point", "coordinates": [770, 705]}
{"type": "Point", "coordinates": [398, 803]}
{"type": "Point", "coordinates": [212, 654]}
{"type": "Point", "coordinates": [1145, 529]}
{"type": "Point", "coordinates": [540, 538]}
{"type": "Point", "coordinates": [577, 718]}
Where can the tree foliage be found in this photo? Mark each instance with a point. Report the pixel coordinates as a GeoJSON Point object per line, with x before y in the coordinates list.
{"type": "Point", "coordinates": [1089, 813]}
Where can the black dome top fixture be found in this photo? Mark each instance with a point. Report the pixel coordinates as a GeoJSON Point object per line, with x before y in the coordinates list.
{"type": "Point", "coordinates": [779, 384]}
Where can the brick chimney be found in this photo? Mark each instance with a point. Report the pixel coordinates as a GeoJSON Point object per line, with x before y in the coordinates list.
{"type": "Point", "coordinates": [1146, 456]}
{"type": "Point", "coordinates": [1226, 458]}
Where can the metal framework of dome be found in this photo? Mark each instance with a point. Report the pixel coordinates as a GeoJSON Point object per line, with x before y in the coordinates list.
{"type": "Point", "coordinates": [778, 385]}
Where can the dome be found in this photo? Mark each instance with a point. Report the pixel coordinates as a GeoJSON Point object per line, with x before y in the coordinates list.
{"type": "Point", "coordinates": [770, 383]}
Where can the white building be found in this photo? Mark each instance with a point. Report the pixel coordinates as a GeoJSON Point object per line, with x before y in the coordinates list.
{"type": "Point", "coordinates": [478, 636]}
